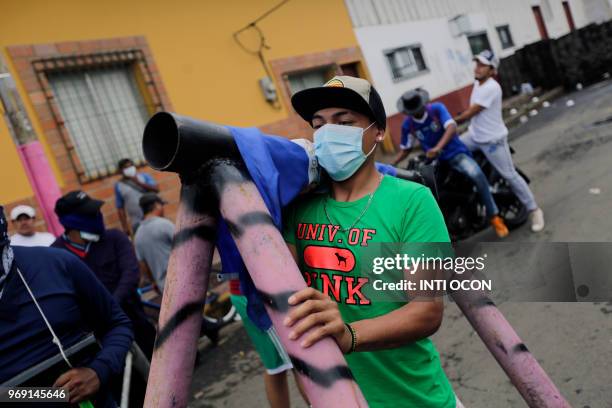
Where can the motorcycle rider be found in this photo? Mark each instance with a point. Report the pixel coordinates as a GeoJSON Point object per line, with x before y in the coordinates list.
{"type": "Point", "coordinates": [436, 131]}
{"type": "Point", "coordinates": [488, 133]}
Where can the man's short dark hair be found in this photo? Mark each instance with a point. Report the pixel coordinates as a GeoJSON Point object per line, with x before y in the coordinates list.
{"type": "Point", "coordinates": [121, 164]}
{"type": "Point", "coordinates": [147, 202]}
{"type": "Point", "coordinates": [147, 208]}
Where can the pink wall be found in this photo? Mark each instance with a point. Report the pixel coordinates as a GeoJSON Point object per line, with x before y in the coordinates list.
{"type": "Point", "coordinates": [44, 184]}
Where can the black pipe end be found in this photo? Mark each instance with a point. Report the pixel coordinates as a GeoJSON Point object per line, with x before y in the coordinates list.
{"type": "Point", "coordinates": [160, 142]}
{"type": "Point", "coordinates": [182, 144]}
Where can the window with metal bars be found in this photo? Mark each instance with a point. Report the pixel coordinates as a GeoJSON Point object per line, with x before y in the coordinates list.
{"type": "Point", "coordinates": [104, 113]}
{"type": "Point", "coordinates": [301, 80]}
{"type": "Point", "coordinates": [405, 62]}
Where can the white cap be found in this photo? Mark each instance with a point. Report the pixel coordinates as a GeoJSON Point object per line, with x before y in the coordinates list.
{"type": "Point", "coordinates": [487, 57]}
{"type": "Point", "coordinates": [22, 209]}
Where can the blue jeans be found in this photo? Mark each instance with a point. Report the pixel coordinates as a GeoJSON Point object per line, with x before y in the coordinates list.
{"type": "Point", "coordinates": [467, 166]}
{"type": "Point", "coordinates": [498, 154]}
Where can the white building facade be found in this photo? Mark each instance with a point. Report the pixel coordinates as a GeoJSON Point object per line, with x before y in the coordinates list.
{"type": "Point", "coordinates": [430, 43]}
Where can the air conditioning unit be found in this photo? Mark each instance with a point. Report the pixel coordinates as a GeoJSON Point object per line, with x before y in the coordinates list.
{"type": "Point", "coordinates": [460, 25]}
{"type": "Point", "coordinates": [465, 24]}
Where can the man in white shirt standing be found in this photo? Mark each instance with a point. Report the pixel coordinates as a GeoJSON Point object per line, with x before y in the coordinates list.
{"type": "Point", "coordinates": [488, 133]}
{"type": "Point", "coordinates": [23, 218]}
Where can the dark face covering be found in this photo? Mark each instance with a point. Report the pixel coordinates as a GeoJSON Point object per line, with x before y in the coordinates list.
{"type": "Point", "coordinates": [419, 115]}
{"type": "Point", "coordinates": [4, 238]}
{"type": "Point", "coordinates": [6, 253]}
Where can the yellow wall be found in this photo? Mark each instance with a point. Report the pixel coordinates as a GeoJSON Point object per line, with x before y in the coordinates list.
{"type": "Point", "coordinates": [14, 184]}
{"type": "Point", "coordinates": [206, 74]}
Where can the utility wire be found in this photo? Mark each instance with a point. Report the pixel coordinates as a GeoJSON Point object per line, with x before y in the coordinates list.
{"type": "Point", "coordinates": [260, 34]}
{"type": "Point", "coordinates": [264, 15]}
{"type": "Point", "coordinates": [262, 41]}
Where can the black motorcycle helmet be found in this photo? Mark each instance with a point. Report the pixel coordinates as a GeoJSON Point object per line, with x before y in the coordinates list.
{"type": "Point", "coordinates": [413, 101]}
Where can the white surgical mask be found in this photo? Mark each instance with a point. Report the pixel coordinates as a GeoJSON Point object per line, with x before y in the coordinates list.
{"type": "Point", "coordinates": [339, 149]}
{"type": "Point", "coordinates": [88, 236]}
{"type": "Point", "coordinates": [129, 171]}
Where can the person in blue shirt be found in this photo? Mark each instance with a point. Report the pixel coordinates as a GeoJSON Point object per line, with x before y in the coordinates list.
{"type": "Point", "coordinates": [436, 131]}
{"type": "Point", "coordinates": [74, 303]}
{"type": "Point", "coordinates": [128, 190]}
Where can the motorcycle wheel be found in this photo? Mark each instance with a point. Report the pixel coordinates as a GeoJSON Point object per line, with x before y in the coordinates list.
{"type": "Point", "coordinates": [514, 214]}
{"type": "Point", "coordinates": [511, 209]}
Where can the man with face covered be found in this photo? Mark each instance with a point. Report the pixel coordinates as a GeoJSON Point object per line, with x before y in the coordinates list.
{"type": "Point", "coordinates": [73, 303]}
{"type": "Point", "coordinates": [110, 255]}
{"type": "Point", "coordinates": [386, 344]}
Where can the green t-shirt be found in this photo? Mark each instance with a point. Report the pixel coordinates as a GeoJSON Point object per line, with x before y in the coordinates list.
{"type": "Point", "coordinates": [400, 211]}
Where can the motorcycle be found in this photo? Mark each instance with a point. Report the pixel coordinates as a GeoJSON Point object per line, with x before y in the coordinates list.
{"type": "Point", "coordinates": [463, 211]}
{"type": "Point", "coordinates": [217, 312]}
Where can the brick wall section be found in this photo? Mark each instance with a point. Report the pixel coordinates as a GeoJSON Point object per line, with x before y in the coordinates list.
{"type": "Point", "coordinates": [103, 189]}
{"type": "Point", "coordinates": [39, 93]}
{"type": "Point", "coordinates": [291, 127]}
{"type": "Point", "coordinates": [294, 126]}
{"type": "Point", "coordinates": [46, 111]}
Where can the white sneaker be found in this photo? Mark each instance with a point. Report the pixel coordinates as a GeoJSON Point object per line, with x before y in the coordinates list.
{"type": "Point", "coordinates": [537, 220]}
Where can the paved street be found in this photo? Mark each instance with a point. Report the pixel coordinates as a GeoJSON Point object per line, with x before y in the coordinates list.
{"type": "Point", "coordinates": [567, 153]}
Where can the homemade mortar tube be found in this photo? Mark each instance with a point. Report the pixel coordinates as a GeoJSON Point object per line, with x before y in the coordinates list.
{"type": "Point", "coordinates": [184, 145]}
{"type": "Point", "coordinates": [521, 367]}
{"type": "Point", "coordinates": [175, 143]}
{"type": "Point", "coordinates": [180, 318]}
{"type": "Point", "coordinates": [181, 144]}
{"type": "Point", "coordinates": [323, 371]}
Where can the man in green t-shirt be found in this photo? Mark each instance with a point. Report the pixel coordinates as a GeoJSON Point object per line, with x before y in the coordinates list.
{"type": "Point", "coordinates": [386, 343]}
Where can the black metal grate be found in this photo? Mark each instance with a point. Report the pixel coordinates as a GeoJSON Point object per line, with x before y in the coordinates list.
{"type": "Point", "coordinates": [102, 111]}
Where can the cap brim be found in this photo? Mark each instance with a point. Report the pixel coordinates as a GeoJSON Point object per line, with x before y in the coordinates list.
{"type": "Point", "coordinates": [309, 101]}
{"type": "Point", "coordinates": [483, 60]}
{"type": "Point", "coordinates": [22, 210]}
{"type": "Point", "coordinates": [19, 214]}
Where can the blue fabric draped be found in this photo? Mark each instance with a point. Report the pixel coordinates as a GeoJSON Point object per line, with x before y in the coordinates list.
{"type": "Point", "coordinates": [279, 169]}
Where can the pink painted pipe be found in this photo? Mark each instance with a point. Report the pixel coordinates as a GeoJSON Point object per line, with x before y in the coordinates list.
{"type": "Point", "coordinates": [520, 365]}
{"type": "Point", "coordinates": [175, 143]}
{"type": "Point", "coordinates": [43, 182]}
{"type": "Point", "coordinates": [322, 368]}
{"type": "Point", "coordinates": [180, 317]}
{"type": "Point", "coordinates": [192, 148]}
